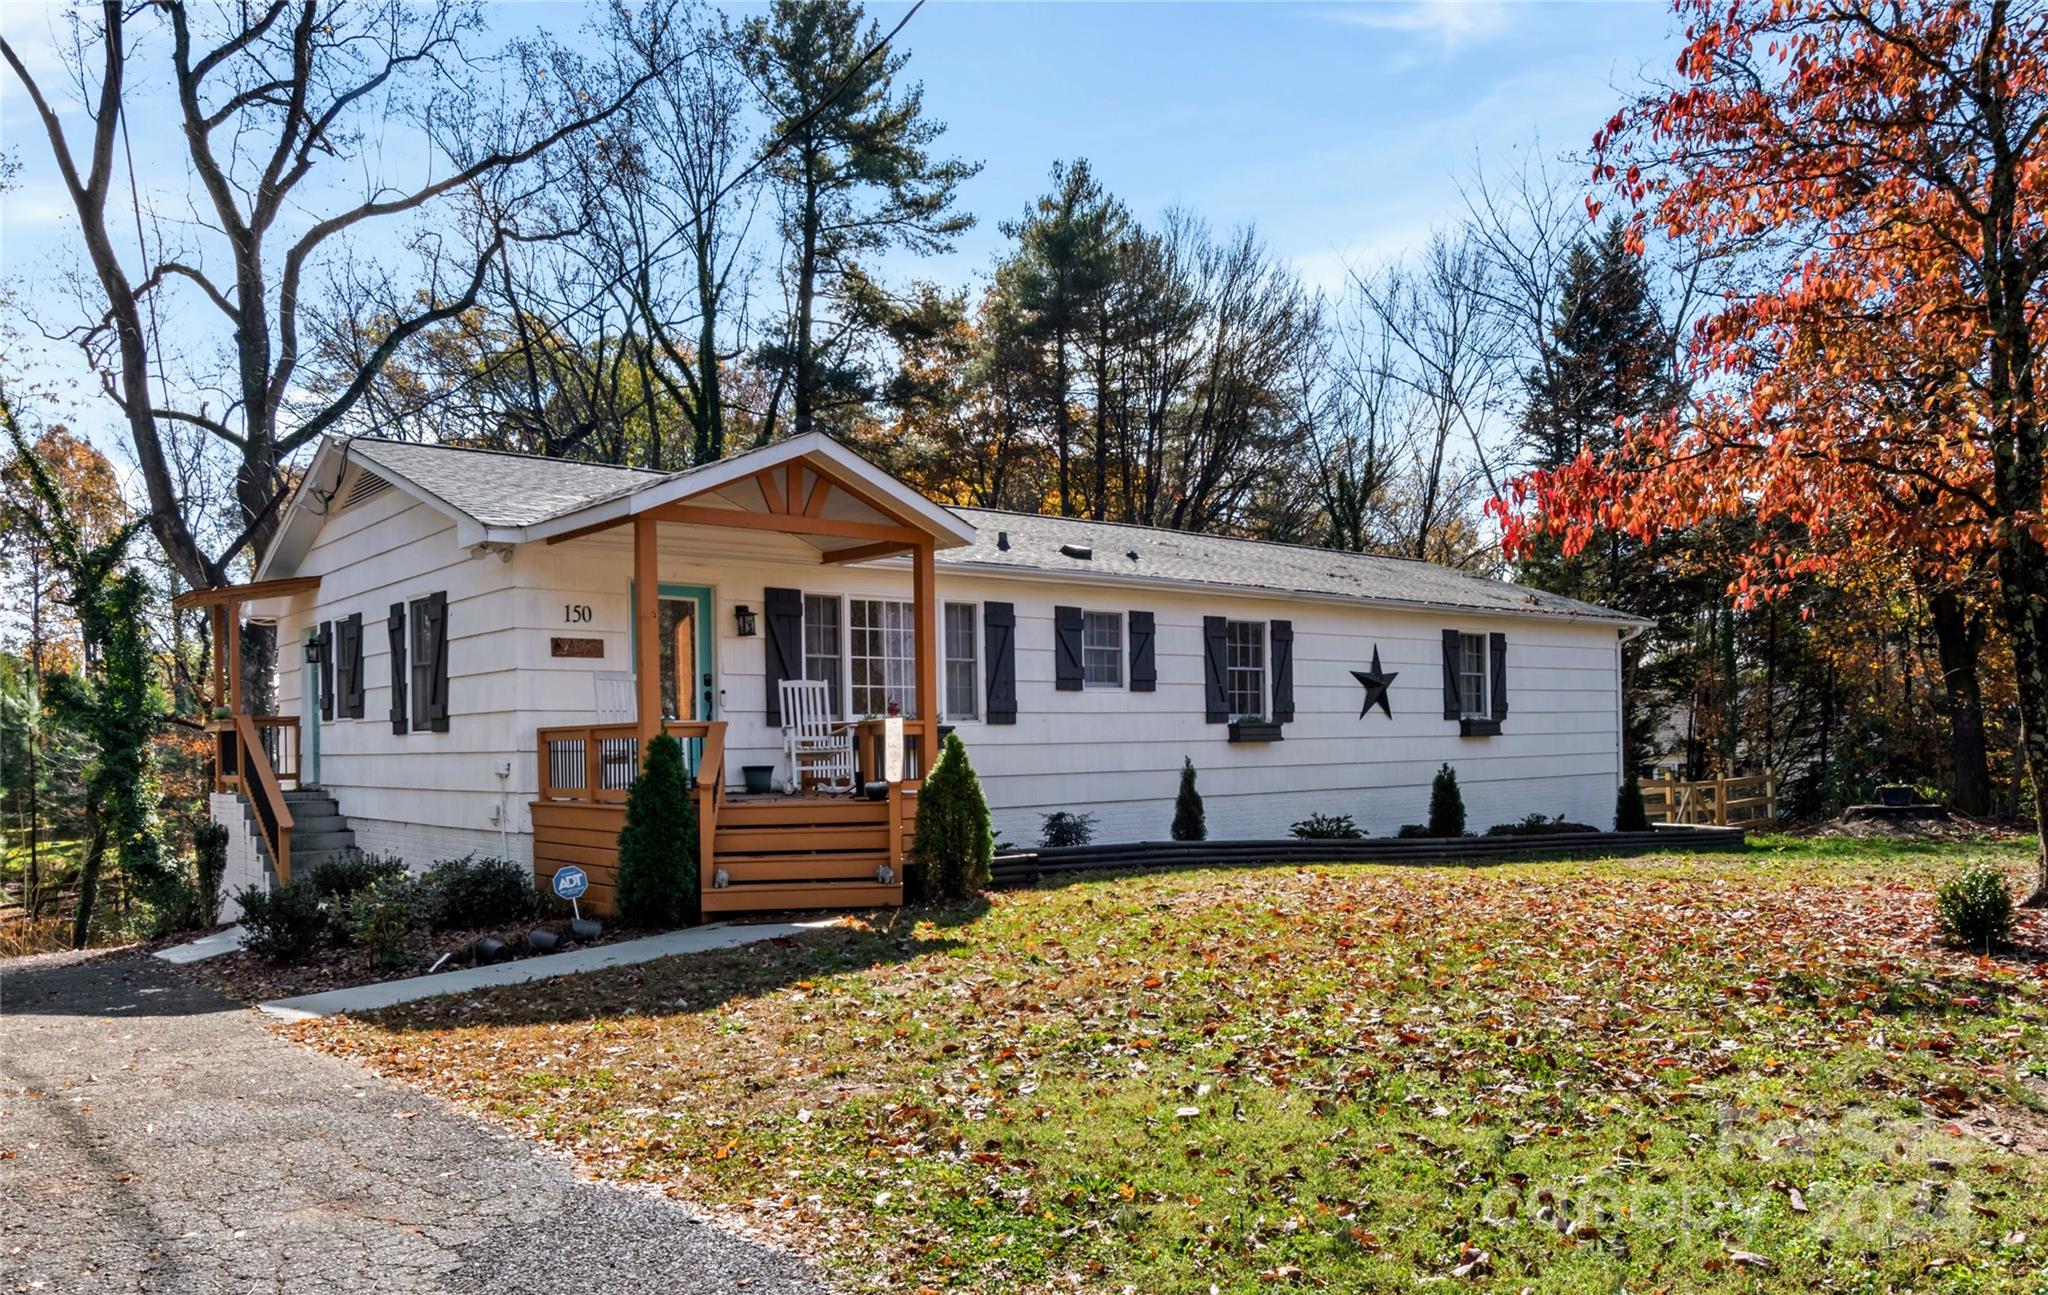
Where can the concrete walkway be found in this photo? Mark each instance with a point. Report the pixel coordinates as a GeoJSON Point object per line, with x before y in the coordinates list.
{"type": "Point", "coordinates": [226, 940]}
{"type": "Point", "coordinates": [368, 998]}
{"type": "Point", "coordinates": [156, 1137]}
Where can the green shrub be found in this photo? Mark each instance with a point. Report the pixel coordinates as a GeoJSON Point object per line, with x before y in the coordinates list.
{"type": "Point", "coordinates": [345, 876]}
{"type": "Point", "coordinates": [1446, 804]}
{"type": "Point", "coordinates": [1063, 829]}
{"type": "Point", "coordinates": [658, 846]}
{"type": "Point", "coordinates": [287, 923]}
{"type": "Point", "coordinates": [384, 915]}
{"type": "Point", "coordinates": [1975, 908]}
{"type": "Point", "coordinates": [1190, 822]}
{"type": "Point", "coordinates": [1327, 827]}
{"type": "Point", "coordinates": [1539, 825]}
{"type": "Point", "coordinates": [1629, 814]}
{"type": "Point", "coordinates": [1413, 832]}
{"type": "Point", "coordinates": [954, 840]}
{"type": "Point", "coordinates": [473, 893]}
{"type": "Point", "coordinates": [209, 865]}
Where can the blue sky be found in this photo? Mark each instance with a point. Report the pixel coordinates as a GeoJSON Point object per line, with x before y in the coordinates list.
{"type": "Point", "coordinates": [1341, 131]}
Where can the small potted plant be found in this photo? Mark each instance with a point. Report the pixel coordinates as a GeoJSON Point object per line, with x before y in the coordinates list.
{"type": "Point", "coordinates": [760, 778]}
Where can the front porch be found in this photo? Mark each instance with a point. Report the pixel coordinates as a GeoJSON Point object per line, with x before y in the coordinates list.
{"type": "Point", "coordinates": [805, 850]}
{"type": "Point", "coordinates": [756, 853]}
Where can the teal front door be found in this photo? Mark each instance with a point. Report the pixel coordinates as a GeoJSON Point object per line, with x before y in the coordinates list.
{"type": "Point", "coordinates": [688, 671]}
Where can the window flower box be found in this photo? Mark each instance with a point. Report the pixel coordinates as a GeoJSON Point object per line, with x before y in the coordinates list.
{"type": "Point", "coordinates": [1256, 730]}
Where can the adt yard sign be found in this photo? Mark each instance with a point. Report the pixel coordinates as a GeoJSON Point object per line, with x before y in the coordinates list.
{"type": "Point", "coordinates": [571, 882]}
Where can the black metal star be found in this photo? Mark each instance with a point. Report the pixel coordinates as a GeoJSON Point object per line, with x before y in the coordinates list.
{"type": "Point", "coordinates": [1376, 681]}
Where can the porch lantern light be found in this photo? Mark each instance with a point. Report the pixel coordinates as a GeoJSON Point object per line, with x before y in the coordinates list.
{"type": "Point", "coordinates": [313, 648]}
{"type": "Point", "coordinates": [744, 620]}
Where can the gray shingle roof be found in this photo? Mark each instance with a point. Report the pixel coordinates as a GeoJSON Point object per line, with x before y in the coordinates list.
{"type": "Point", "coordinates": [501, 489]}
{"type": "Point", "coordinates": [513, 490]}
{"type": "Point", "coordinates": [1035, 545]}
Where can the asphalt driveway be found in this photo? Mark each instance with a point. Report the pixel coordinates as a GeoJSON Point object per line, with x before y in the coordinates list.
{"type": "Point", "coordinates": [156, 1137]}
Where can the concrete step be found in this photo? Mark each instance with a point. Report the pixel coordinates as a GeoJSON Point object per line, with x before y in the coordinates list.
{"type": "Point", "coordinates": [315, 842]}
{"type": "Point", "coordinates": [311, 821]}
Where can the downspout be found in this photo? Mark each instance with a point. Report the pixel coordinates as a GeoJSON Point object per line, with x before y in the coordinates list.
{"type": "Point", "coordinates": [1628, 635]}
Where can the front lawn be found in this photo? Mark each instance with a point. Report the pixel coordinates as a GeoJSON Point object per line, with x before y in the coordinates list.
{"type": "Point", "coordinates": [1748, 1072]}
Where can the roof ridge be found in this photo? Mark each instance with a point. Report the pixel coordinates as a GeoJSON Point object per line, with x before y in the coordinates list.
{"type": "Point", "coordinates": [502, 454]}
{"type": "Point", "coordinates": [1235, 539]}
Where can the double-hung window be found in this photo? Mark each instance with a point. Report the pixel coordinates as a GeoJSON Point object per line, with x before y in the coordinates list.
{"type": "Point", "coordinates": [1245, 674]}
{"type": "Point", "coordinates": [882, 642]}
{"type": "Point", "coordinates": [1472, 699]}
{"type": "Point", "coordinates": [821, 646]}
{"type": "Point", "coordinates": [1102, 649]}
{"type": "Point", "coordinates": [963, 670]}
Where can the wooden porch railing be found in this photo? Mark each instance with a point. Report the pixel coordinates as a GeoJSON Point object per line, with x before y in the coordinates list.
{"type": "Point", "coordinates": [242, 762]}
{"type": "Point", "coordinates": [595, 764]}
{"type": "Point", "coordinates": [1745, 798]}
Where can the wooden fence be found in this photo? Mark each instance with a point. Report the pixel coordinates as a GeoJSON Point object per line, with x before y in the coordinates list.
{"type": "Point", "coordinates": [1745, 798]}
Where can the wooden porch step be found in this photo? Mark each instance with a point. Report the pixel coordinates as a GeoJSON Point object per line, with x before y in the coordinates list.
{"type": "Point", "coordinates": [797, 811]}
{"type": "Point", "coordinates": [790, 840]}
{"type": "Point", "coordinates": [762, 897]}
{"type": "Point", "coordinates": [801, 867]}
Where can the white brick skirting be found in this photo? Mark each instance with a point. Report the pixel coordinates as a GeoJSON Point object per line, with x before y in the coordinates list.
{"type": "Point", "coordinates": [246, 863]}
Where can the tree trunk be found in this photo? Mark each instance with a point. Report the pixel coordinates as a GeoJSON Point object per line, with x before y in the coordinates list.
{"type": "Point", "coordinates": [88, 875]}
{"type": "Point", "coordinates": [1959, 640]}
{"type": "Point", "coordinates": [1059, 415]}
{"type": "Point", "coordinates": [2024, 586]}
{"type": "Point", "coordinates": [806, 295]}
{"type": "Point", "coordinates": [711, 412]}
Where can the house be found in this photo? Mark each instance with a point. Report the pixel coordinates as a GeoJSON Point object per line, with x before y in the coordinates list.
{"type": "Point", "coordinates": [474, 644]}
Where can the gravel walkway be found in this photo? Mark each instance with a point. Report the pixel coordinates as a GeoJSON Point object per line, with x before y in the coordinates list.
{"type": "Point", "coordinates": [156, 1137]}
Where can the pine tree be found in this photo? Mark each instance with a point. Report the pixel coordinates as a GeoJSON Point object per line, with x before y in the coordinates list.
{"type": "Point", "coordinates": [1058, 285]}
{"type": "Point", "coordinates": [657, 881]}
{"type": "Point", "coordinates": [856, 178]}
{"type": "Point", "coordinates": [954, 841]}
{"type": "Point", "coordinates": [1629, 814]}
{"type": "Point", "coordinates": [1607, 364]}
{"type": "Point", "coordinates": [1189, 821]}
{"type": "Point", "coordinates": [1446, 804]}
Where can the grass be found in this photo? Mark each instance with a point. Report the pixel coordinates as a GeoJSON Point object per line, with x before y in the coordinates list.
{"type": "Point", "coordinates": [1749, 1072]}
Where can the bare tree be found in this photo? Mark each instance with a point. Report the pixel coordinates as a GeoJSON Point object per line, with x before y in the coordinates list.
{"type": "Point", "coordinates": [275, 102]}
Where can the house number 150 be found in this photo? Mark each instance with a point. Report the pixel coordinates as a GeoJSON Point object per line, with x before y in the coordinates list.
{"type": "Point", "coordinates": [576, 613]}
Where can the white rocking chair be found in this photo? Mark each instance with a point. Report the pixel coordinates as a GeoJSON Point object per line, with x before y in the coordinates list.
{"type": "Point", "coordinates": [618, 702]}
{"type": "Point", "coordinates": [816, 744]}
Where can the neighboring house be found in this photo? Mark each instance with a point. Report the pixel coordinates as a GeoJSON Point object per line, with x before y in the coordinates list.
{"type": "Point", "coordinates": [468, 665]}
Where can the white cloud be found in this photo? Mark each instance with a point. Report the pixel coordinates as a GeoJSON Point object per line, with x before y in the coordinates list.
{"type": "Point", "coordinates": [1451, 22]}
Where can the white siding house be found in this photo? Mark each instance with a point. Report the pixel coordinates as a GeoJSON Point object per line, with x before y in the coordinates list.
{"type": "Point", "coordinates": [535, 563]}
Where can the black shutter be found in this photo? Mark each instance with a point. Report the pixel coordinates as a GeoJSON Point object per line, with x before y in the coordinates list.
{"type": "Point", "coordinates": [430, 664]}
{"type": "Point", "coordinates": [1144, 662]}
{"type": "Point", "coordinates": [1281, 635]}
{"type": "Point", "coordinates": [1066, 653]}
{"type": "Point", "coordinates": [1216, 672]}
{"type": "Point", "coordinates": [437, 612]}
{"type": "Point", "coordinates": [1452, 708]}
{"type": "Point", "coordinates": [784, 611]}
{"type": "Point", "coordinates": [394, 626]}
{"type": "Point", "coordinates": [1498, 649]}
{"type": "Point", "coordinates": [325, 640]}
{"type": "Point", "coordinates": [999, 638]}
{"type": "Point", "coordinates": [348, 665]}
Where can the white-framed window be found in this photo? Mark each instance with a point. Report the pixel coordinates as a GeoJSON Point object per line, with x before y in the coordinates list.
{"type": "Point", "coordinates": [1102, 649]}
{"type": "Point", "coordinates": [1245, 674]}
{"type": "Point", "coordinates": [882, 655]}
{"type": "Point", "coordinates": [1472, 672]}
{"type": "Point", "coordinates": [822, 640]}
{"type": "Point", "coordinates": [962, 633]}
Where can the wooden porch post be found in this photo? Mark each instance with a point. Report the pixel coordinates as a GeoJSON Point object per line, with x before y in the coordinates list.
{"type": "Point", "coordinates": [647, 621]}
{"type": "Point", "coordinates": [231, 619]}
{"type": "Point", "coordinates": [925, 606]}
{"type": "Point", "coordinates": [214, 616]}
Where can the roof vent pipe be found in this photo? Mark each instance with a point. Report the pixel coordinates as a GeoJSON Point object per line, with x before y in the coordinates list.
{"type": "Point", "coordinates": [1003, 541]}
{"type": "Point", "coordinates": [1079, 552]}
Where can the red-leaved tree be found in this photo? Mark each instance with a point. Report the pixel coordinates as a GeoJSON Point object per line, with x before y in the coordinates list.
{"type": "Point", "coordinates": [1874, 176]}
